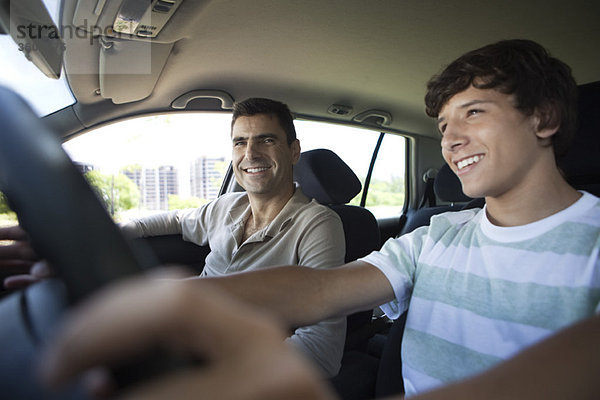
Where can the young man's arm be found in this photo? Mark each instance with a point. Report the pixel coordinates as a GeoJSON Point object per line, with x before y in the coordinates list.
{"type": "Point", "coordinates": [245, 346]}
{"type": "Point", "coordinates": [301, 296]}
{"type": "Point", "coordinates": [323, 343]}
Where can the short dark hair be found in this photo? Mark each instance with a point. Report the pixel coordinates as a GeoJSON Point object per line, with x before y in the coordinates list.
{"type": "Point", "coordinates": [519, 67]}
{"type": "Point", "coordinates": [256, 105]}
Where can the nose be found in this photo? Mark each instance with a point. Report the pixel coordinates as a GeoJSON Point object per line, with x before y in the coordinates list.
{"type": "Point", "coordinates": [251, 150]}
{"type": "Point", "coordinates": [452, 138]}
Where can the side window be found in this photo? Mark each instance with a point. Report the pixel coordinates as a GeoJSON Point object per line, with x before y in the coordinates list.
{"type": "Point", "coordinates": [163, 162]}
{"type": "Point", "coordinates": [149, 164]}
{"type": "Point", "coordinates": [385, 193]}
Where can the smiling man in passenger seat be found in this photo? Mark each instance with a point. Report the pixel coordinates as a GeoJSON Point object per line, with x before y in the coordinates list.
{"type": "Point", "coordinates": [271, 223]}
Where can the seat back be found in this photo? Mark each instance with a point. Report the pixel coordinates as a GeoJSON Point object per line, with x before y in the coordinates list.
{"type": "Point", "coordinates": [447, 187]}
{"type": "Point", "coordinates": [581, 164]}
{"type": "Point", "coordinates": [324, 176]}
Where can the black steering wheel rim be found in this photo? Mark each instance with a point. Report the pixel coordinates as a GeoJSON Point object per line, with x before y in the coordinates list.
{"type": "Point", "coordinates": [65, 220]}
{"type": "Point", "coordinates": [68, 226]}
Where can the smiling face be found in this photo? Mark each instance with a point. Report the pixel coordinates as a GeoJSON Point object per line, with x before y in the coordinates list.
{"type": "Point", "coordinates": [262, 158]}
{"type": "Point", "coordinates": [492, 147]}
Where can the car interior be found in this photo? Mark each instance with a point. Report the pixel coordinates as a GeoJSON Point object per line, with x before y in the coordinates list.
{"type": "Point", "coordinates": [346, 63]}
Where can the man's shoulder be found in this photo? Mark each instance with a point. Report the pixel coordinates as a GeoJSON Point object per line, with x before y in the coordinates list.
{"type": "Point", "coordinates": [315, 209]}
{"type": "Point", "coordinates": [230, 200]}
{"type": "Point", "coordinates": [305, 207]}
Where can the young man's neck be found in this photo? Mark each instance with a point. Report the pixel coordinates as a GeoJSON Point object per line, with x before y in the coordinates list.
{"type": "Point", "coordinates": [545, 195]}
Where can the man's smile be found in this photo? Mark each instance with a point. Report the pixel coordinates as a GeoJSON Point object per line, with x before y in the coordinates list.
{"type": "Point", "coordinates": [465, 162]}
{"type": "Point", "coordinates": [254, 170]}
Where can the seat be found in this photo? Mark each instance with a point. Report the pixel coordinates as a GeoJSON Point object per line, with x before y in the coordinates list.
{"type": "Point", "coordinates": [447, 188]}
{"type": "Point", "coordinates": [581, 164]}
{"type": "Point", "coordinates": [325, 177]}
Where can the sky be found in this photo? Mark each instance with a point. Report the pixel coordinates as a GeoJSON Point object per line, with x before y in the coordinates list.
{"type": "Point", "coordinates": [153, 141]}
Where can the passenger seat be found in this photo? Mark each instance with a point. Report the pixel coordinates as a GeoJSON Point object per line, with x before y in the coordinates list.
{"type": "Point", "coordinates": [447, 188]}
{"type": "Point", "coordinates": [324, 176]}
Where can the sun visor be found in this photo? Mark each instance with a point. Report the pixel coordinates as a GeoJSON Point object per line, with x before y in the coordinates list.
{"type": "Point", "coordinates": [133, 52]}
{"type": "Point", "coordinates": [130, 69]}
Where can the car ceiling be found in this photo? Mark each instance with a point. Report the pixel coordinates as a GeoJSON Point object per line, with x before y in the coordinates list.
{"type": "Point", "coordinates": [364, 54]}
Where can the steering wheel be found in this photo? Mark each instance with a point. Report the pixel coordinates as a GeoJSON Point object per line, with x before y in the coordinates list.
{"type": "Point", "coordinates": [68, 226]}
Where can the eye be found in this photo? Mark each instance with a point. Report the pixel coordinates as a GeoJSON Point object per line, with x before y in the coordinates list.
{"type": "Point", "coordinates": [474, 111]}
{"type": "Point", "coordinates": [269, 140]}
{"type": "Point", "coordinates": [238, 143]}
{"type": "Point", "coordinates": [442, 128]}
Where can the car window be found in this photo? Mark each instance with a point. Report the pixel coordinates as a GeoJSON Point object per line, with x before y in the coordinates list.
{"type": "Point", "coordinates": [385, 196]}
{"type": "Point", "coordinates": [385, 193]}
{"type": "Point", "coordinates": [164, 162]}
{"type": "Point", "coordinates": [150, 164]}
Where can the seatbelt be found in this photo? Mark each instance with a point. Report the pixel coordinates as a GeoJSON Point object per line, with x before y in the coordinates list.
{"type": "Point", "coordinates": [429, 194]}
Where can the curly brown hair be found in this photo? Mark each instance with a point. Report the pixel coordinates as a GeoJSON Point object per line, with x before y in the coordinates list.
{"type": "Point", "coordinates": [523, 68]}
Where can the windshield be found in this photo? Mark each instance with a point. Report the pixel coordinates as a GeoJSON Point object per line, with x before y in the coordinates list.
{"type": "Point", "coordinates": [45, 95]}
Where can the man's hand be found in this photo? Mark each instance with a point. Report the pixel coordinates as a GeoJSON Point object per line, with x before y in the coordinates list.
{"type": "Point", "coordinates": [18, 261]}
{"type": "Point", "coordinates": [246, 357]}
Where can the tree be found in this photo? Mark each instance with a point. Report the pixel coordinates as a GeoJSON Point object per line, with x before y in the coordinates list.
{"type": "Point", "coordinates": [116, 191]}
{"type": "Point", "coordinates": [178, 203]}
{"type": "Point", "coordinates": [383, 193]}
{"type": "Point", "coordinates": [4, 208]}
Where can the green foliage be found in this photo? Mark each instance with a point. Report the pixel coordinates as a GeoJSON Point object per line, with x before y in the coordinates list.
{"type": "Point", "coordinates": [131, 168]}
{"type": "Point", "coordinates": [383, 193]}
{"type": "Point", "coordinates": [178, 203]}
{"type": "Point", "coordinates": [4, 208]}
{"type": "Point", "coordinates": [117, 192]}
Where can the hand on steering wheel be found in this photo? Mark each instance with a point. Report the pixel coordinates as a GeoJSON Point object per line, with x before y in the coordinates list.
{"type": "Point", "coordinates": [244, 348]}
{"type": "Point", "coordinates": [19, 263]}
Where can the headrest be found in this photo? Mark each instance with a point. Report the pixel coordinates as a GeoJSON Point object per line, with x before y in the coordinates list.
{"type": "Point", "coordinates": [326, 177]}
{"type": "Point", "coordinates": [447, 186]}
{"type": "Point", "coordinates": [581, 164]}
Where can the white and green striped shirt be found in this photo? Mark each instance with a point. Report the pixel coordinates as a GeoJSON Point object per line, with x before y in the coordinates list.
{"type": "Point", "coordinates": [479, 293]}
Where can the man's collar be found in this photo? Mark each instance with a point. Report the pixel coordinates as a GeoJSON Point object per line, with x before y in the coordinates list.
{"type": "Point", "coordinates": [285, 216]}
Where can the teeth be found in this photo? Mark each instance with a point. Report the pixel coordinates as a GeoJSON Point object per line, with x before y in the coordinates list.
{"type": "Point", "coordinates": [253, 170]}
{"type": "Point", "coordinates": [468, 161]}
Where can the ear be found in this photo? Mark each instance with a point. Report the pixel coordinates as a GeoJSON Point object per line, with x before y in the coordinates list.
{"type": "Point", "coordinates": [295, 146]}
{"type": "Point", "coordinates": [547, 121]}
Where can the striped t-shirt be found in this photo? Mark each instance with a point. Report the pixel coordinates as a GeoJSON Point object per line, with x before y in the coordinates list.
{"type": "Point", "coordinates": [478, 293]}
